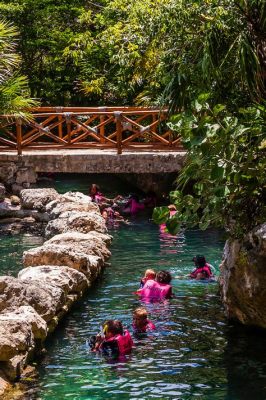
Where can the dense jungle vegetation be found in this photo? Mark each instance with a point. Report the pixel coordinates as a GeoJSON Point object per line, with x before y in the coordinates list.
{"type": "Point", "coordinates": [204, 60]}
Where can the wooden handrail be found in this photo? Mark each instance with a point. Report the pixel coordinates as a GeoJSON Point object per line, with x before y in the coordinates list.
{"type": "Point", "coordinates": [85, 127]}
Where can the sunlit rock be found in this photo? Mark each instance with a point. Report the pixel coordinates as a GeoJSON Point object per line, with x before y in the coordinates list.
{"type": "Point", "coordinates": [71, 201]}
{"type": "Point", "coordinates": [83, 222]}
{"type": "Point", "coordinates": [37, 199]}
{"type": "Point", "coordinates": [88, 243]}
{"type": "Point", "coordinates": [46, 298]}
{"type": "Point", "coordinates": [243, 278]}
{"type": "Point", "coordinates": [18, 331]}
{"type": "Point", "coordinates": [61, 255]}
{"type": "Point", "coordinates": [67, 279]}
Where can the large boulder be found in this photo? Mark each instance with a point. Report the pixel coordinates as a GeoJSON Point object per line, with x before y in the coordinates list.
{"type": "Point", "coordinates": [83, 222]}
{"type": "Point", "coordinates": [66, 279]}
{"type": "Point", "coordinates": [243, 278]}
{"type": "Point", "coordinates": [18, 331]}
{"type": "Point", "coordinates": [37, 199]}
{"type": "Point", "coordinates": [71, 201]}
{"type": "Point", "coordinates": [87, 243]}
{"type": "Point", "coordinates": [61, 255]}
{"type": "Point", "coordinates": [46, 298]}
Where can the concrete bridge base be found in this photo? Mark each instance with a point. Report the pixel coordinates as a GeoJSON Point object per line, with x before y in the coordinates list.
{"type": "Point", "coordinates": [150, 170]}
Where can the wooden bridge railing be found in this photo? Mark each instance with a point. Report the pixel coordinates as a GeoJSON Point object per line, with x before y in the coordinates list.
{"type": "Point", "coordinates": [86, 127]}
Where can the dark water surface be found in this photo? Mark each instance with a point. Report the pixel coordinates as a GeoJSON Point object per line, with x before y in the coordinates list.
{"type": "Point", "coordinates": [194, 353]}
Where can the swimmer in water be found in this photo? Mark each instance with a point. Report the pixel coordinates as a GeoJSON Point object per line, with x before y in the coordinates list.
{"type": "Point", "coordinates": [141, 323]}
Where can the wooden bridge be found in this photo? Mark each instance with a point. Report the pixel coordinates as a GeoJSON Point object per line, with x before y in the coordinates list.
{"type": "Point", "coordinates": [89, 127]}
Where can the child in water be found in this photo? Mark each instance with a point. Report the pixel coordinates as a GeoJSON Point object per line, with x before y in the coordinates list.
{"type": "Point", "coordinates": [141, 323]}
{"type": "Point", "coordinates": [150, 274]}
{"type": "Point", "coordinates": [113, 340]}
{"type": "Point", "coordinates": [158, 289]}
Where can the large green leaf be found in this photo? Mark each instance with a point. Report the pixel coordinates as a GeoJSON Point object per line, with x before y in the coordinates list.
{"type": "Point", "coordinates": [160, 214]}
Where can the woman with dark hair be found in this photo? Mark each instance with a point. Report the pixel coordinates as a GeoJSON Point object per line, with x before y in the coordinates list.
{"type": "Point", "coordinates": [202, 270]}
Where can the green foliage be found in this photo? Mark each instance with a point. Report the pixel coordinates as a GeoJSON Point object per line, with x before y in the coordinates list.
{"type": "Point", "coordinates": [47, 28]}
{"type": "Point", "coordinates": [14, 94]}
{"type": "Point", "coordinates": [225, 167]}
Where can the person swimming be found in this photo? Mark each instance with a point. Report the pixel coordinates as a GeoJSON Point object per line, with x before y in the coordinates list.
{"type": "Point", "coordinates": [203, 270]}
{"type": "Point", "coordinates": [141, 323]}
{"type": "Point", "coordinates": [113, 340]}
{"type": "Point", "coordinates": [133, 205]}
{"type": "Point", "coordinates": [158, 289]}
{"type": "Point", "coordinates": [150, 274]}
{"type": "Point", "coordinates": [172, 212]}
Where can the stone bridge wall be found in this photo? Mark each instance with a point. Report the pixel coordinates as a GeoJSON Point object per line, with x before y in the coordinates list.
{"type": "Point", "coordinates": [19, 172]}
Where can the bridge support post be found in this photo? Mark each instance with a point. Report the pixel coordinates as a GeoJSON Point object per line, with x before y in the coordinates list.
{"type": "Point", "coordinates": [19, 135]}
{"type": "Point", "coordinates": [119, 130]}
{"type": "Point", "coordinates": [68, 124]}
{"type": "Point", "coordinates": [102, 128]}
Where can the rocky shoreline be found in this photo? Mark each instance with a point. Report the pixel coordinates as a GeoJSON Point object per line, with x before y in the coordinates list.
{"type": "Point", "coordinates": [54, 277]}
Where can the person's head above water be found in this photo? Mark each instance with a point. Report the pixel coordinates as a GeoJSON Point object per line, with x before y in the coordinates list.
{"type": "Point", "coordinates": [163, 277]}
{"type": "Point", "coordinates": [94, 189]}
{"type": "Point", "coordinates": [150, 274]}
{"type": "Point", "coordinates": [112, 327]}
{"type": "Point", "coordinates": [140, 317]}
{"type": "Point", "coordinates": [199, 260]}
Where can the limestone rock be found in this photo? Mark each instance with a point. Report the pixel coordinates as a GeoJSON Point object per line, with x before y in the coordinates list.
{"type": "Point", "coordinates": [2, 192]}
{"type": "Point", "coordinates": [45, 297]}
{"type": "Point", "coordinates": [37, 199]}
{"type": "Point", "coordinates": [26, 175]}
{"type": "Point", "coordinates": [18, 331]}
{"type": "Point", "coordinates": [65, 278]}
{"type": "Point", "coordinates": [8, 171]}
{"type": "Point", "coordinates": [73, 237]}
{"type": "Point", "coordinates": [83, 222]}
{"type": "Point", "coordinates": [15, 200]}
{"type": "Point", "coordinates": [71, 201]}
{"type": "Point", "coordinates": [243, 278]}
{"type": "Point", "coordinates": [87, 243]}
{"type": "Point", "coordinates": [61, 255]}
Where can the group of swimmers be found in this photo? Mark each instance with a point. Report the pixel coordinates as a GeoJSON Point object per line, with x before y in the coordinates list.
{"type": "Point", "coordinates": [116, 341]}
{"type": "Point", "coordinates": [115, 209]}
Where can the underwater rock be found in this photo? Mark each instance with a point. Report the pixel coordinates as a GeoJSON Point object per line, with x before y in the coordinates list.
{"type": "Point", "coordinates": [243, 278]}
{"type": "Point", "coordinates": [36, 199]}
{"type": "Point", "coordinates": [52, 254]}
{"type": "Point", "coordinates": [71, 221]}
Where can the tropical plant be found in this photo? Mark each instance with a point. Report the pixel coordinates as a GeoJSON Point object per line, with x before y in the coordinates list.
{"type": "Point", "coordinates": [14, 99]}
{"type": "Point", "coordinates": [223, 182]}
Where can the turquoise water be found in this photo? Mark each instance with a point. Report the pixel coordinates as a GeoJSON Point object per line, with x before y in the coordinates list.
{"type": "Point", "coordinates": [194, 352]}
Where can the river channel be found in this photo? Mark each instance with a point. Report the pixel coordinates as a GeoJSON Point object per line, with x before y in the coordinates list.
{"type": "Point", "coordinates": [193, 353]}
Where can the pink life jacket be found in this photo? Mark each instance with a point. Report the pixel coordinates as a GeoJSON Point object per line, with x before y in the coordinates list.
{"type": "Point", "coordinates": [206, 271]}
{"type": "Point", "coordinates": [156, 291]}
{"type": "Point", "coordinates": [133, 206]}
{"type": "Point", "coordinates": [124, 342]}
{"type": "Point", "coordinates": [163, 228]}
{"type": "Point", "coordinates": [148, 327]}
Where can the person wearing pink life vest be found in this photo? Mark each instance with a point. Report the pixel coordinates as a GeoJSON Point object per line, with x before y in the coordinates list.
{"type": "Point", "coordinates": [202, 270]}
{"type": "Point", "coordinates": [172, 212]}
{"type": "Point", "coordinates": [133, 206]}
{"type": "Point", "coordinates": [158, 289]}
{"type": "Point", "coordinates": [114, 340]}
{"type": "Point", "coordinates": [141, 323]}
